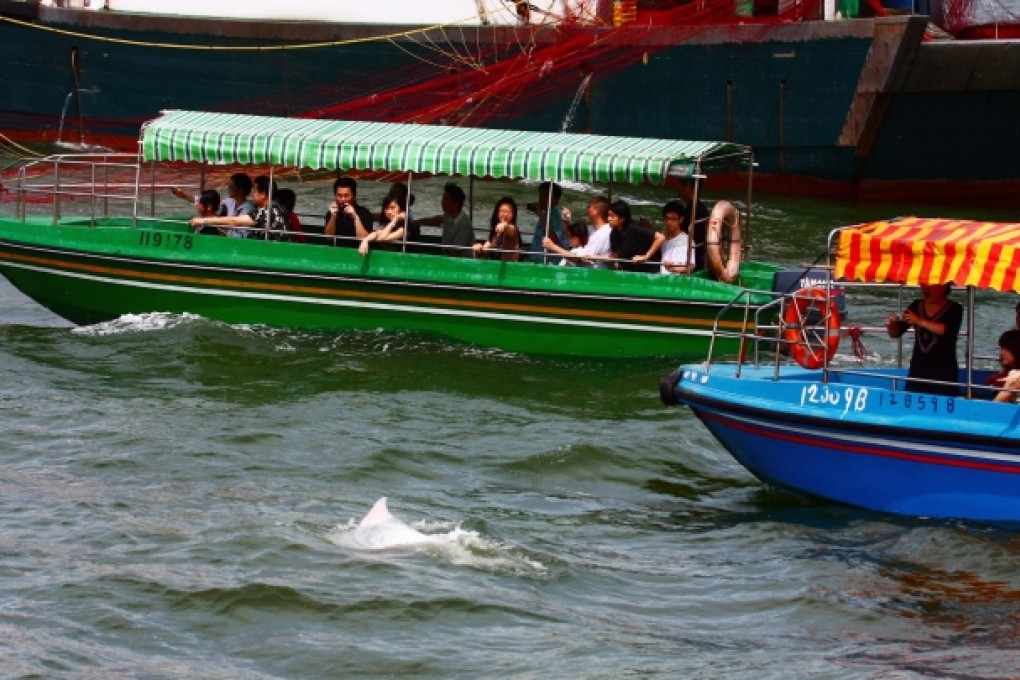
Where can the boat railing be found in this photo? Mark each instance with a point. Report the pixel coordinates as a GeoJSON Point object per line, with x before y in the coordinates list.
{"type": "Point", "coordinates": [767, 337]}
{"type": "Point", "coordinates": [432, 245]}
{"type": "Point", "coordinates": [752, 327]}
{"type": "Point", "coordinates": [102, 183]}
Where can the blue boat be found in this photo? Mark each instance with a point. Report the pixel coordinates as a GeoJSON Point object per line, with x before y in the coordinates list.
{"type": "Point", "coordinates": [854, 434]}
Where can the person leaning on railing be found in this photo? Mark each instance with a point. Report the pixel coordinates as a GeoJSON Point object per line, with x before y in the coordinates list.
{"type": "Point", "coordinates": [209, 206]}
{"type": "Point", "coordinates": [504, 240]}
{"type": "Point", "coordinates": [634, 245]}
{"type": "Point", "coordinates": [676, 246]}
{"type": "Point", "coordinates": [394, 219]}
{"type": "Point", "coordinates": [577, 239]}
{"type": "Point", "coordinates": [274, 217]}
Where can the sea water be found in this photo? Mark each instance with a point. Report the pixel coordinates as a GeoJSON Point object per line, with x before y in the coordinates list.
{"type": "Point", "coordinates": [178, 499]}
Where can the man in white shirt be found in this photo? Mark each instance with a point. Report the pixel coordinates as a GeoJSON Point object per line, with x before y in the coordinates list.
{"type": "Point", "coordinates": [598, 246]}
{"type": "Point", "coordinates": [598, 242]}
{"type": "Point", "coordinates": [677, 256]}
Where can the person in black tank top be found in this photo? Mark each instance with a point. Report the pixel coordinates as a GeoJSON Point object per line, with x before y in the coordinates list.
{"type": "Point", "coordinates": [936, 321]}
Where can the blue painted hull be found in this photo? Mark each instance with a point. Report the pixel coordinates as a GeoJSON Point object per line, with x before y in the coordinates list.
{"type": "Point", "coordinates": [885, 450]}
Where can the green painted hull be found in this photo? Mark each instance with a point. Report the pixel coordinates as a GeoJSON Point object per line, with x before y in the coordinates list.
{"type": "Point", "coordinates": [92, 274]}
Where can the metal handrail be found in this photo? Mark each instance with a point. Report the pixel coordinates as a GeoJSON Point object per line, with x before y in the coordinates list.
{"type": "Point", "coordinates": [69, 176]}
{"type": "Point", "coordinates": [768, 334]}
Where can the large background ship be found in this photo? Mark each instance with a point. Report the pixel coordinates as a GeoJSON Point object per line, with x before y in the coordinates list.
{"type": "Point", "coordinates": [877, 108]}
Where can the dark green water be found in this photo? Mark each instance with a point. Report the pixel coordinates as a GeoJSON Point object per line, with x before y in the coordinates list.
{"type": "Point", "coordinates": [178, 500]}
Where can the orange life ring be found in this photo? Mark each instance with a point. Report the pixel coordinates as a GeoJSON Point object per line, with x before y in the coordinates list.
{"type": "Point", "coordinates": [723, 215]}
{"type": "Point", "coordinates": [811, 353]}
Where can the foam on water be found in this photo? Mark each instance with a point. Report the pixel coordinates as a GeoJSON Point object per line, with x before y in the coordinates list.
{"type": "Point", "coordinates": [135, 323]}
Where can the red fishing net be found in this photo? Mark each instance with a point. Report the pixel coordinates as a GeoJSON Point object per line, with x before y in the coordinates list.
{"type": "Point", "coordinates": [514, 76]}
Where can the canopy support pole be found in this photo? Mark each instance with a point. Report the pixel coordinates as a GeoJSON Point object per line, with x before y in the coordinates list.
{"type": "Point", "coordinates": [971, 297]}
{"type": "Point", "coordinates": [407, 212]}
{"type": "Point", "coordinates": [152, 189]}
{"type": "Point", "coordinates": [138, 191]}
{"type": "Point", "coordinates": [693, 208]}
{"type": "Point", "coordinates": [548, 220]}
{"type": "Point", "coordinates": [269, 205]}
{"type": "Point", "coordinates": [745, 234]}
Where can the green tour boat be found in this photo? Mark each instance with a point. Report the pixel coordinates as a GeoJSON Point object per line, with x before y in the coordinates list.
{"type": "Point", "coordinates": [123, 257]}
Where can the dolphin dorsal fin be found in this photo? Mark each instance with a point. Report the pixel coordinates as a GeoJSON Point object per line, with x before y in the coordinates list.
{"type": "Point", "coordinates": [378, 514]}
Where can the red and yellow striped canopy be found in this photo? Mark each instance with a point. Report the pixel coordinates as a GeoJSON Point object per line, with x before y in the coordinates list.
{"type": "Point", "coordinates": [919, 250]}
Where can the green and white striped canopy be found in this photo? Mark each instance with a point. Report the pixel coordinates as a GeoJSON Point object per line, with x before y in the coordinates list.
{"type": "Point", "coordinates": [221, 138]}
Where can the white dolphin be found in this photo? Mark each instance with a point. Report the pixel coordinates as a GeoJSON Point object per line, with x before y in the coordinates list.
{"type": "Point", "coordinates": [379, 530]}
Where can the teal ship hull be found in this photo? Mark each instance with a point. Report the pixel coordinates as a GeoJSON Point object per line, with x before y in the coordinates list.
{"type": "Point", "coordinates": [863, 109]}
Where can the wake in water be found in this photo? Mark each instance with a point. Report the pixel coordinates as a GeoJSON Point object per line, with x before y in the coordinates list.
{"type": "Point", "coordinates": [137, 323]}
{"type": "Point", "coordinates": [349, 344]}
{"type": "Point", "coordinates": [379, 532]}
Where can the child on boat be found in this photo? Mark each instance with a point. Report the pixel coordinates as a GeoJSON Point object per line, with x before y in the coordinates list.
{"type": "Point", "coordinates": [208, 205]}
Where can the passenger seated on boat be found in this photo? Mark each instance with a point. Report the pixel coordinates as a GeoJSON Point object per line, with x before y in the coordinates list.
{"type": "Point", "coordinates": [238, 200]}
{"type": "Point", "coordinates": [346, 220]}
{"type": "Point", "coordinates": [548, 226]}
{"type": "Point", "coordinates": [577, 237]}
{"type": "Point", "coordinates": [394, 214]}
{"type": "Point", "coordinates": [599, 248]}
{"type": "Point", "coordinates": [398, 189]}
{"type": "Point", "coordinates": [936, 321]}
{"type": "Point", "coordinates": [209, 206]}
{"type": "Point", "coordinates": [595, 249]}
{"type": "Point", "coordinates": [192, 199]}
{"type": "Point", "coordinates": [504, 241]}
{"type": "Point", "coordinates": [273, 218]}
{"type": "Point", "coordinates": [227, 206]}
{"type": "Point", "coordinates": [1010, 392]}
{"type": "Point", "coordinates": [458, 237]}
{"type": "Point", "coordinates": [1009, 355]}
{"type": "Point", "coordinates": [632, 243]}
{"type": "Point", "coordinates": [288, 200]}
{"type": "Point", "coordinates": [699, 232]}
{"type": "Point", "coordinates": [676, 248]}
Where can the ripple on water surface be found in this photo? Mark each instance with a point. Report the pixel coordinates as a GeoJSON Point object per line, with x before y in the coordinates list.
{"type": "Point", "coordinates": [178, 499]}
